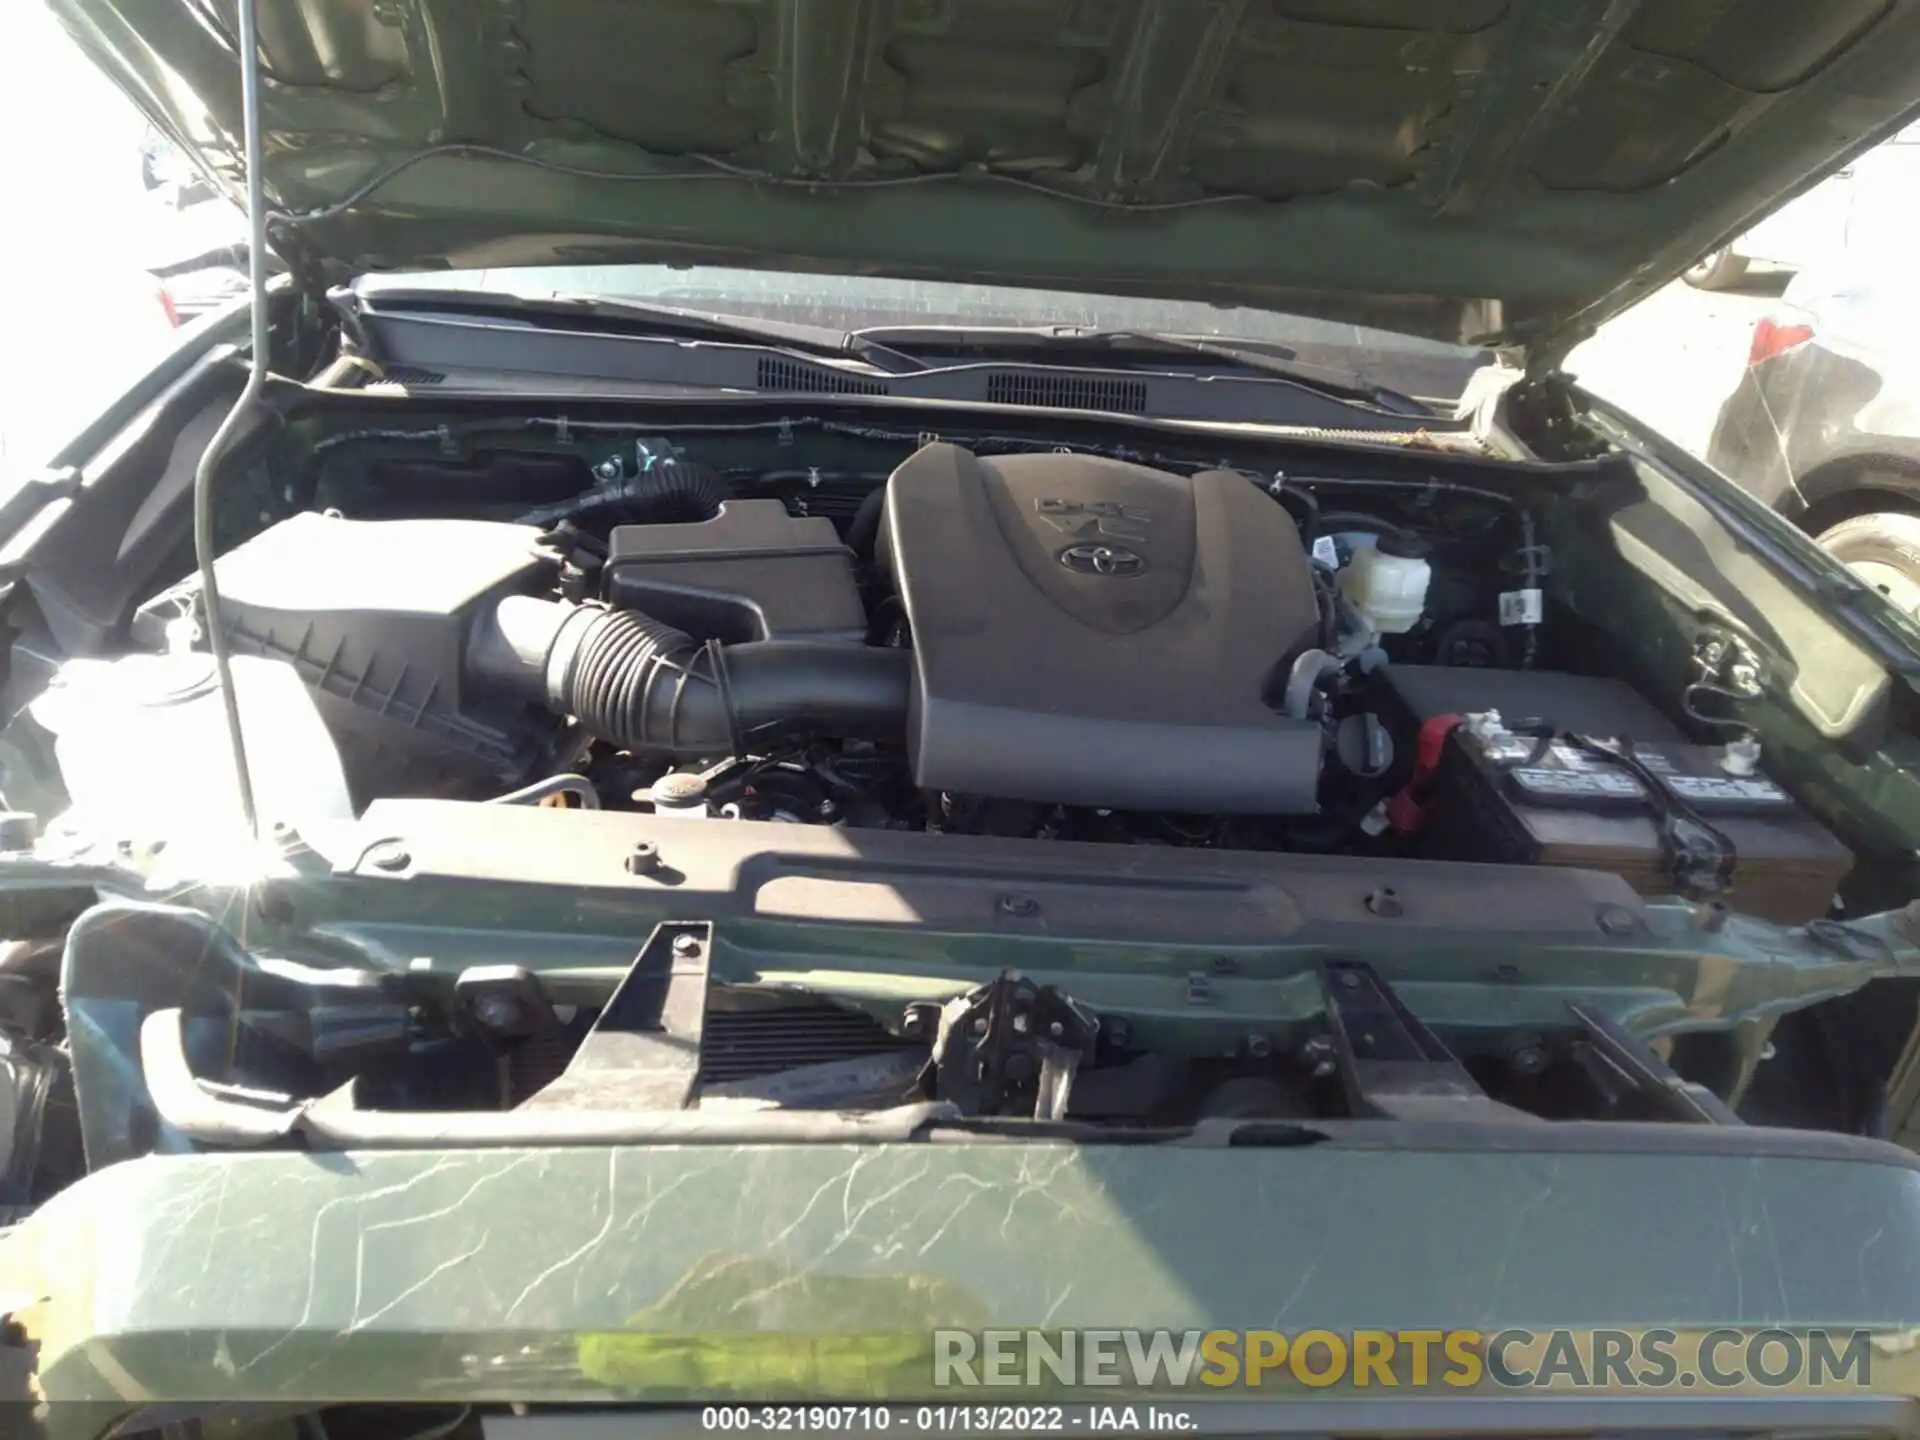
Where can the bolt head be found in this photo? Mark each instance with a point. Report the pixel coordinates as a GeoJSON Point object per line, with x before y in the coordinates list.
{"type": "Point", "coordinates": [1526, 1056]}
{"type": "Point", "coordinates": [1617, 920]}
{"type": "Point", "coordinates": [1386, 903]}
{"type": "Point", "coordinates": [686, 946]}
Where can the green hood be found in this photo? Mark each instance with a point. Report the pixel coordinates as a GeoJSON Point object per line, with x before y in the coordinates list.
{"type": "Point", "coordinates": [1507, 171]}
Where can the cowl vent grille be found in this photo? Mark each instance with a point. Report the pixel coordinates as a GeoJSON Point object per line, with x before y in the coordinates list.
{"type": "Point", "coordinates": [1070, 392]}
{"type": "Point", "coordinates": [779, 373]}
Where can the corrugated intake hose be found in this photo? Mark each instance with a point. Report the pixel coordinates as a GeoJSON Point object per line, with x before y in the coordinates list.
{"type": "Point", "coordinates": [658, 488]}
{"type": "Point", "coordinates": [643, 685]}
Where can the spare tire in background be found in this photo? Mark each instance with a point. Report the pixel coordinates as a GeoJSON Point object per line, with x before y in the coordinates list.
{"type": "Point", "coordinates": [1883, 549]}
{"type": "Point", "coordinates": [1717, 270]}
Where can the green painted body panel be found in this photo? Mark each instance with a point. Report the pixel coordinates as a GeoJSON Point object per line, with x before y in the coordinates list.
{"type": "Point", "coordinates": [1468, 170]}
{"type": "Point", "coordinates": [704, 1272]}
{"type": "Point", "coordinates": [1476, 949]}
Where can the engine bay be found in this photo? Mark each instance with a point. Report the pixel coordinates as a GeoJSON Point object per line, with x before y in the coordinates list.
{"type": "Point", "coordinates": [1024, 643]}
{"type": "Point", "coordinates": [805, 779]}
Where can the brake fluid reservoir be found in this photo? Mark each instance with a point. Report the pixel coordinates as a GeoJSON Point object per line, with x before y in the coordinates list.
{"type": "Point", "coordinates": [143, 748]}
{"type": "Point", "coordinates": [1387, 583]}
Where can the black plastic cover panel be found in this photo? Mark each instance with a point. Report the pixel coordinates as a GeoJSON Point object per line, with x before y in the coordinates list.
{"type": "Point", "coordinates": [1090, 632]}
{"type": "Point", "coordinates": [752, 572]}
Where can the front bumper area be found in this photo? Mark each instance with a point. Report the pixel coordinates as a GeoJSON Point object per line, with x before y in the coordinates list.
{"type": "Point", "coordinates": [703, 1273]}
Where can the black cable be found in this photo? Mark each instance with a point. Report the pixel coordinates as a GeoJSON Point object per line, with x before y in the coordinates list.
{"type": "Point", "coordinates": [1667, 805]}
{"type": "Point", "coordinates": [1298, 483]}
{"type": "Point", "coordinates": [985, 444]}
{"type": "Point", "coordinates": [1309, 524]}
{"type": "Point", "coordinates": [1671, 811]}
{"type": "Point", "coordinates": [1531, 569]}
{"type": "Point", "coordinates": [1327, 592]}
{"type": "Point", "coordinates": [714, 168]}
{"type": "Point", "coordinates": [1334, 520]}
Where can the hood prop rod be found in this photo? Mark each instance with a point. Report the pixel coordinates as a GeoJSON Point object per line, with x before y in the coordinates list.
{"type": "Point", "coordinates": [216, 451]}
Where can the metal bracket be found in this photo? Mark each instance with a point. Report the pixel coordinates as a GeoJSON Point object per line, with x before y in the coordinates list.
{"type": "Point", "coordinates": [1728, 668]}
{"type": "Point", "coordinates": [1728, 659]}
{"type": "Point", "coordinates": [643, 1052]}
{"type": "Point", "coordinates": [1637, 1083]}
{"type": "Point", "coordinates": [1389, 1063]}
{"type": "Point", "coordinates": [1008, 1039]}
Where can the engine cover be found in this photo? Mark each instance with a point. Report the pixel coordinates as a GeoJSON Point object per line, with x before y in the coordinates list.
{"type": "Point", "coordinates": [1089, 632]}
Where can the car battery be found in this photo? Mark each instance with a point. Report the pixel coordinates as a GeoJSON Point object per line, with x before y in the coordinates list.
{"type": "Point", "coordinates": [1516, 791]}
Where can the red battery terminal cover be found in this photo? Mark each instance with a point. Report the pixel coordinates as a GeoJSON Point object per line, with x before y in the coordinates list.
{"type": "Point", "coordinates": [1407, 811]}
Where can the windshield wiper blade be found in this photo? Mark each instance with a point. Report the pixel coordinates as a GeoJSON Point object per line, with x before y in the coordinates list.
{"type": "Point", "coordinates": [1275, 360]}
{"type": "Point", "coordinates": [610, 314]}
{"type": "Point", "coordinates": [645, 317]}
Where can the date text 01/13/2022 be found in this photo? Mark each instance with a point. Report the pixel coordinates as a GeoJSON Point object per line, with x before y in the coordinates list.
{"type": "Point", "coordinates": [947, 1419]}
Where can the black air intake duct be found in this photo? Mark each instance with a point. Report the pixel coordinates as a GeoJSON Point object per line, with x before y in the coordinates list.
{"type": "Point", "coordinates": [647, 686]}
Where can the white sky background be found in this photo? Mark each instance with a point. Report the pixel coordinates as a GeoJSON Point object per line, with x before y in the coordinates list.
{"type": "Point", "coordinates": [79, 316]}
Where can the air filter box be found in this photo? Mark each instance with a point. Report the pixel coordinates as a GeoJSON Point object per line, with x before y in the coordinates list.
{"type": "Point", "coordinates": [374, 615]}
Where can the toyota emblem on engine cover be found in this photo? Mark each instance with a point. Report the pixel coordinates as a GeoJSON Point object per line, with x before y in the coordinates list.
{"type": "Point", "coordinates": [1102, 560]}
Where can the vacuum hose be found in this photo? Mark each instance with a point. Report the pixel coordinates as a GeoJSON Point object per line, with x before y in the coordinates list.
{"type": "Point", "coordinates": [643, 685]}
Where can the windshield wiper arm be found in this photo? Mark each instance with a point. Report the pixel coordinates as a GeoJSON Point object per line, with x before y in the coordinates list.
{"type": "Point", "coordinates": [611, 314]}
{"type": "Point", "coordinates": [1278, 361]}
{"type": "Point", "coordinates": [645, 317]}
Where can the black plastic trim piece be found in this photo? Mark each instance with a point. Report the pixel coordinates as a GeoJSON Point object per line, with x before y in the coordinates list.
{"type": "Point", "coordinates": [452, 343]}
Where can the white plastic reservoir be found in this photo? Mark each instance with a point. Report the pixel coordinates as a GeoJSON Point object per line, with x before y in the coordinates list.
{"type": "Point", "coordinates": [1387, 583]}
